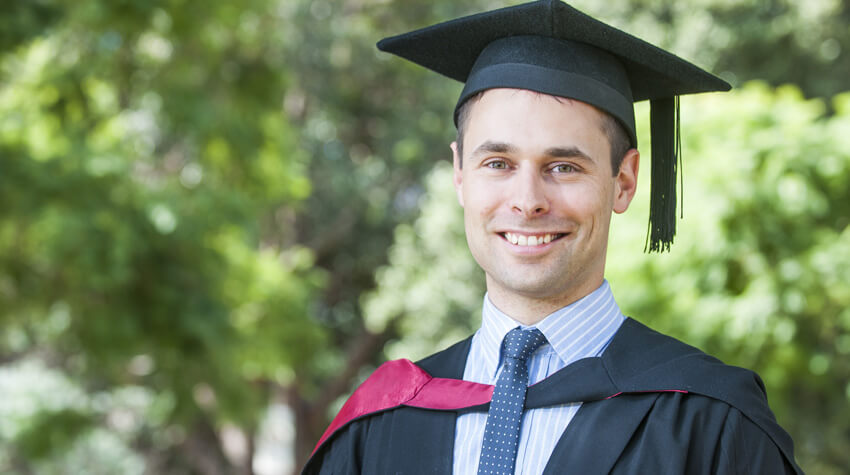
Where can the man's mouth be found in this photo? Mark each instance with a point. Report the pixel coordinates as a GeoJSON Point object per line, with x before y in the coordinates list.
{"type": "Point", "coordinates": [531, 239]}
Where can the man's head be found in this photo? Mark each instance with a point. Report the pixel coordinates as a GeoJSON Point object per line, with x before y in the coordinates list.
{"type": "Point", "coordinates": [538, 189]}
{"type": "Point", "coordinates": [550, 47]}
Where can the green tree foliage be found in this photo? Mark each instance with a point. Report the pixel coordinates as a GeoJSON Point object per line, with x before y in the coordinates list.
{"type": "Point", "coordinates": [757, 275]}
{"type": "Point", "coordinates": [144, 157]}
{"type": "Point", "coordinates": [778, 41]}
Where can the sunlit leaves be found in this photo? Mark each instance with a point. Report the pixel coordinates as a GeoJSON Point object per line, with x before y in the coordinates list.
{"type": "Point", "coordinates": [138, 167]}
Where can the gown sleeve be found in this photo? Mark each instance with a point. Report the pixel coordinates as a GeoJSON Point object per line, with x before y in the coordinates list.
{"type": "Point", "coordinates": [341, 455]}
{"type": "Point", "coordinates": [746, 449]}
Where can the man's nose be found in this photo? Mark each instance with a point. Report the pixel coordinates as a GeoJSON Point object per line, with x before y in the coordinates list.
{"type": "Point", "coordinates": [528, 195]}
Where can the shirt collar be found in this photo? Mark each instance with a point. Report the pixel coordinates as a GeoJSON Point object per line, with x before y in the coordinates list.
{"type": "Point", "coordinates": [580, 330]}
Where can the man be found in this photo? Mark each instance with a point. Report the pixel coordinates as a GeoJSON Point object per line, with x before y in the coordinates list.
{"type": "Point", "coordinates": [557, 380]}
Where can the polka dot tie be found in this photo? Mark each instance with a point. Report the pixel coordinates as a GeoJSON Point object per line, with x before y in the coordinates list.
{"type": "Point", "coordinates": [501, 434]}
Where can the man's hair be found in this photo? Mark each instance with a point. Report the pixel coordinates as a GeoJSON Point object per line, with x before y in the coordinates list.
{"type": "Point", "coordinates": [618, 139]}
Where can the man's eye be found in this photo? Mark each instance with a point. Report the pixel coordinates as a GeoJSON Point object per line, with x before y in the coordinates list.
{"type": "Point", "coordinates": [564, 168]}
{"type": "Point", "coordinates": [497, 164]}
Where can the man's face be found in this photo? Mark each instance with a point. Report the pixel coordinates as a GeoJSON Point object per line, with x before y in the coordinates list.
{"type": "Point", "coordinates": [537, 190]}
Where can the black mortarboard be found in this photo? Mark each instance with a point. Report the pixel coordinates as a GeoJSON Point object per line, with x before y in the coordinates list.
{"type": "Point", "coordinates": [550, 47]}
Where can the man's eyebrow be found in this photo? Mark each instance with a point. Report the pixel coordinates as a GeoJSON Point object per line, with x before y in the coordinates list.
{"type": "Point", "coordinates": [495, 147]}
{"type": "Point", "coordinates": [567, 152]}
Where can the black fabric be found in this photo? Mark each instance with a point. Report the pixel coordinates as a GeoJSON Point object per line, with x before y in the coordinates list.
{"type": "Point", "coordinates": [722, 426]}
{"type": "Point", "coordinates": [556, 67]}
{"type": "Point", "coordinates": [452, 48]}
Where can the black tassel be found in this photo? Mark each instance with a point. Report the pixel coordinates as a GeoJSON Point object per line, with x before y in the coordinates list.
{"type": "Point", "coordinates": [666, 159]}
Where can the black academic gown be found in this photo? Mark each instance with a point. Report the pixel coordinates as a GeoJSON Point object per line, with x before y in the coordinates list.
{"type": "Point", "coordinates": [651, 405]}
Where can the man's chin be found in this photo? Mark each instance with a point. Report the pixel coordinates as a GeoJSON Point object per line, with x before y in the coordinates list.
{"type": "Point", "coordinates": [533, 287]}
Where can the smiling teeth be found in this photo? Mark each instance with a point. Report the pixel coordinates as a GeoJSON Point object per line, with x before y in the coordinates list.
{"type": "Point", "coordinates": [523, 240]}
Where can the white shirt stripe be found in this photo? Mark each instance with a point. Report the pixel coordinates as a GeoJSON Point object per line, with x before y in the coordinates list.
{"type": "Point", "coordinates": [579, 330]}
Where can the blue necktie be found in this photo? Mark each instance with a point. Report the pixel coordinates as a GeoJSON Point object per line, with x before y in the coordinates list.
{"type": "Point", "coordinates": [501, 434]}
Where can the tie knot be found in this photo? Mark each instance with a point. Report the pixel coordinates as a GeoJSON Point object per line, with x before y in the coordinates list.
{"type": "Point", "coordinates": [519, 343]}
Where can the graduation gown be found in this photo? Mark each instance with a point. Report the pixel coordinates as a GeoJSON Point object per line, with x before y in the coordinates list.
{"type": "Point", "coordinates": [650, 404]}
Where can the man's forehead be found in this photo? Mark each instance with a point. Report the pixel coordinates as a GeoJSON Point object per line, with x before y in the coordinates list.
{"type": "Point", "coordinates": [522, 122]}
{"type": "Point", "coordinates": [509, 91]}
{"type": "Point", "coordinates": [505, 95]}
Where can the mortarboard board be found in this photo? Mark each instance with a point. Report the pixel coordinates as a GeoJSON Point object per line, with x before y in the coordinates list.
{"type": "Point", "coordinates": [550, 47]}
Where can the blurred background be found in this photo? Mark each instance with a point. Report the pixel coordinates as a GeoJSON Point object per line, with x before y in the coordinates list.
{"type": "Point", "coordinates": [217, 217]}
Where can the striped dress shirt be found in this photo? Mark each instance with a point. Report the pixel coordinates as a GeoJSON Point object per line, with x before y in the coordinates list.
{"type": "Point", "coordinates": [579, 330]}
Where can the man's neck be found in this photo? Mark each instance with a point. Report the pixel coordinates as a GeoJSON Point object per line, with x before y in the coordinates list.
{"type": "Point", "coordinates": [530, 310]}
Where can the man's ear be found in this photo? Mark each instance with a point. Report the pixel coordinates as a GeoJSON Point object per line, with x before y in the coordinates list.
{"type": "Point", "coordinates": [458, 173]}
{"type": "Point", "coordinates": [625, 183]}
